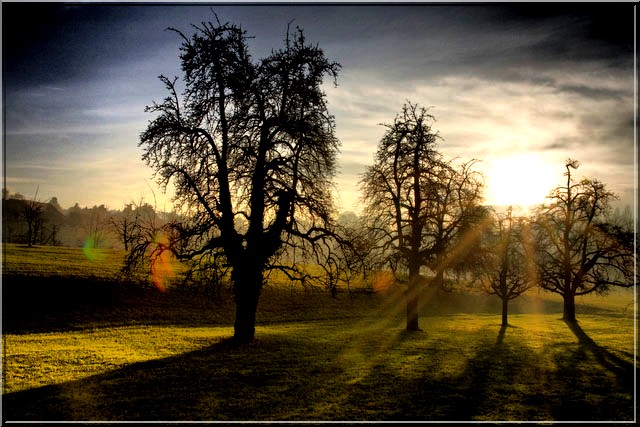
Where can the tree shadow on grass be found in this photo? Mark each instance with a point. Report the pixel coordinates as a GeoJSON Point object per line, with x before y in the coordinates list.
{"type": "Point", "coordinates": [503, 381]}
{"type": "Point", "coordinates": [494, 384]}
{"type": "Point", "coordinates": [622, 369]}
{"type": "Point", "coordinates": [596, 381]}
{"type": "Point", "coordinates": [273, 378]}
{"type": "Point", "coordinates": [224, 381]}
{"type": "Point", "coordinates": [291, 377]}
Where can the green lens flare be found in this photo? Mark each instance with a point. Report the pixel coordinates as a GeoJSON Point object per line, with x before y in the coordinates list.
{"type": "Point", "coordinates": [91, 252]}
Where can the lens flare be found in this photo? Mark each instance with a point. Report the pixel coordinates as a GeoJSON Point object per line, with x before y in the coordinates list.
{"type": "Point", "coordinates": [90, 250]}
{"type": "Point", "coordinates": [163, 264]}
{"type": "Point", "coordinates": [382, 280]}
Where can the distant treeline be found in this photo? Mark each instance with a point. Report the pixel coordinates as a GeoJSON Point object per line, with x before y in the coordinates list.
{"type": "Point", "coordinates": [33, 222]}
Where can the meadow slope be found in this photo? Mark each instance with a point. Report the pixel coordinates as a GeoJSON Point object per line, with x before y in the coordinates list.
{"type": "Point", "coordinates": [90, 346]}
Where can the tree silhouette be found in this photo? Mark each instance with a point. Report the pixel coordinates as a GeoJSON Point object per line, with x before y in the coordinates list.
{"type": "Point", "coordinates": [32, 213]}
{"type": "Point", "coordinates": [417, 203]}
{"type": "Point", "coordinates": [504, 265]}
{"type": "Point", "coordinates": [125, 224]}
{"type": "Point", "coordinates": [134, 224]}
{"type": "Point", "coordinates": [250, 149]}
{"type": "Point", "coordinates": [579, 249]}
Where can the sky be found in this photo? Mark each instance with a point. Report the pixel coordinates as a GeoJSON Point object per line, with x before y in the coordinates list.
{"type": "Point", "coordinates": [520, 88]}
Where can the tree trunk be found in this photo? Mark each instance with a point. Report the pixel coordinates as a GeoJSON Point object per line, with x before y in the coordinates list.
{"type": "Point", "coordinates": [569, 314]}
{"type": "Point", "coordinates": [505, 305]}
{"type": "Point", "coordinates": [438, 279]}
{"type": "Point", "coordinates": [413, 293]}
{"type": "Point", "coordinates": [247, 284]}
{"type": "Point", "coordinates": [29, 234]}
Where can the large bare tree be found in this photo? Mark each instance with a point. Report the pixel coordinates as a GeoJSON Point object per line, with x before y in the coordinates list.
{"type": "Point", "coordinates": [417, 203]}
{"type": "Point", "coordinates": [580, 250]}
{"type": "Point", "coordinates": [251, 150]}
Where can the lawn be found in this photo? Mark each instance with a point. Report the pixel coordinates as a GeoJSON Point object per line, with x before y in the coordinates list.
{"type": "Point", "coordinates": [134, 353]}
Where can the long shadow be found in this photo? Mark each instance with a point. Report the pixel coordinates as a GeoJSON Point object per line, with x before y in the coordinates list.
{"type": "Point", "coordinates": [501, 334]}
{"type": "Point", "coordinates": [280, 377]}
{"type": "Point", "coordinates": [223, 381]}
{"type": "Point", "coordinates": [482, 389]}
{"type": "Point", "coordinates": [594, 383]}
{"type": "Point", "coordinates": [503, 381]}
{"type": "Point", "coordinates": [620, 367]}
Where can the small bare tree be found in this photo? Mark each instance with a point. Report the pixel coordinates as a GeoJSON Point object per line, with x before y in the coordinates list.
{"type": "Point", "coordinates": [126, 225]}
{"type": "Point", "coordinates": [505, 264]}
{"type": "Point", "coordinates": [32, 213]}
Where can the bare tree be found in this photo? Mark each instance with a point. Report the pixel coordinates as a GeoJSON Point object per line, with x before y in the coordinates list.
{"type": "Point", "coordinates": [250, 149]}
{"type": "Point", "coordinates": [133, 223]}
{"type": "Point", "coordinates": [579, 250]}
{"type": "Point", "coordinates": [95, 226]}
{"type": "Point", "coordinates": [506, 261]}
{"type": "Point", "coordinates": [455, 220]}
{"type": "Point", "coordinates": [125, 225]}
{"type": "Point", "coordinates": [357, 259]}
{"type": "Point", "coordinates": [32, 214]}
{"type": "Point", "coordinates": [417, 203]}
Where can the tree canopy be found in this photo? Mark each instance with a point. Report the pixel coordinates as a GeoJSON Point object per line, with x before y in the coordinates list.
{"type": "Point", "coordinates": [251, 150]}
{"type": "Point", "coordinates": [418, 203]}
{"type": "Point", "coordinates": [579, 249]}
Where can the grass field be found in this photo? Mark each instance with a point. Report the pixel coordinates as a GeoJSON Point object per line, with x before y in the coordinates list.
{"type": "Point", "coordinates": [91, 347]}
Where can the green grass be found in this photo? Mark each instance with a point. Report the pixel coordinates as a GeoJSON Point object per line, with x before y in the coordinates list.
{"type": "Point", "coordinates": [60, 261]}
{"type": "Point", "coordinates": [460, 368]}
{"type": "Point", "coordinates": [93, 348]}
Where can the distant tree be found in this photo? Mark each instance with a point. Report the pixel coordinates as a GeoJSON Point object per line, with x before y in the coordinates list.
{"type": "Point", "coordinates": [96, 225]}
{"type": "Point", "coordinates": [53, 237]}
{"type": "Point", "coordinates": [418, 204]}
{"type": "Point", "coordinates": [250, 149]}
{"type": "Point", "coordinates": [505, 268]}
{"type": "Point", "coordinates": [54, 202]}
{"type": "Point", "coordinates": [32, 214]}
{"type": "Point", "coordinates": [357, 255]}
{"type": "Point", "coordinates": [579, 250]}
{"type": "Point", "coordinates": [455, 219]}
{"type": "Point", "coordinates": [126, 224]}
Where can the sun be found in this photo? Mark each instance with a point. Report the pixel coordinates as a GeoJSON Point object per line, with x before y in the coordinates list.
{"type": "Point", "coordinates": [523, 180]}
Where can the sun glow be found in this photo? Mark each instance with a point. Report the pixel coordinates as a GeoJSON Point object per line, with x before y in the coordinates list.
{"type": "Point", "coordinates": [519, 180]}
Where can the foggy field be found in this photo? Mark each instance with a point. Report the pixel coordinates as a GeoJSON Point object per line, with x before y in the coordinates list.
{"type": "Point", "coordinates": [90, 347]}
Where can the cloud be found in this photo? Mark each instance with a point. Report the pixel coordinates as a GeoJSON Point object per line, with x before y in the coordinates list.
{"type": "Point", "coordinates": [556, 81]}
{"type": "Point", "coordinates": [483, 119]}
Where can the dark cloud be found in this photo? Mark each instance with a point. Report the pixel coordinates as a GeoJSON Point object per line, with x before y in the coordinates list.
{"type": "Point", "coordinates": [562, 144]}
{"type": "Point", "coordinates": [609, 23]}
{"type": "Point", "coordinates": [593, 92]}
{"type": "Point", "coordinates": [53, 42]}
{"type": "Point", "coordinates": [512, 43]}
{"type": "Point", "coordinates": [48, 43]}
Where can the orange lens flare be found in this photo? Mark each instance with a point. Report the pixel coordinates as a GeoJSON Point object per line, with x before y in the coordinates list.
{"type": "Point", "coordinates": [163, 264]}
{"type": "Point", "coordinates": [382, 281]}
